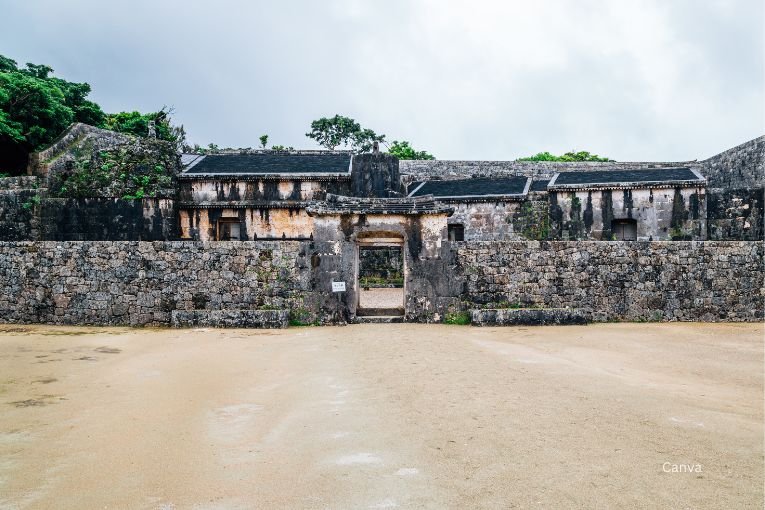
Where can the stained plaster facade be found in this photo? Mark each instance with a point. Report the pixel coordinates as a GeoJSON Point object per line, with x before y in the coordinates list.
{"type": "Point", "coordinates": [660, 214]}
{"type": "Point", "coordinates": [266, 207]}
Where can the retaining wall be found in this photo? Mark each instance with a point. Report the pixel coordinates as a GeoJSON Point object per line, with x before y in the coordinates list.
{"type": "Point", "coordinates": [142, 283]}
{"type": "Point", "coordinates": [690, 281]}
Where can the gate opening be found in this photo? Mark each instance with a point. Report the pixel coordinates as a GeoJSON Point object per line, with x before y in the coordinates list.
{"type": "Point", "coordinates": [381, 280]}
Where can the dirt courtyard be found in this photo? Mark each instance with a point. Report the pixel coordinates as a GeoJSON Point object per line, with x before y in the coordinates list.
{"type": "Point", "coordinates": [383, 416]}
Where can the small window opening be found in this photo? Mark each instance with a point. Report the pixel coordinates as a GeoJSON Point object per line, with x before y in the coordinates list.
{"type": "Point", "coordinates": [624, 230]}
{"type": "Point", "coordinates": [456, 232]}
{"type": "Point", "coordinates": [229, 229]}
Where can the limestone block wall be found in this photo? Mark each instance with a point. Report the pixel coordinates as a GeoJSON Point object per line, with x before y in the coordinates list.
{"type": "Point", "coordinates": [486, 221]}
{"type": "Point", "coordinates": [107, 219]}
{"type": "Point", "coordinates": [54, 159]}
{"type": "Point", "coordinates": [19, 197]}
{"type": "Point", "coordinates": [736, 214]}
{"type": "Point", "coordinates": [688, 281]}
{"type": "Point", "coordinates": [142, 283]}
{"type": "Point", "coordinates": [742, 166]}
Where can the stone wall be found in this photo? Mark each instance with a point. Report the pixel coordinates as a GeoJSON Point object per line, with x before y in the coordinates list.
{"type": "Point", "coordinates": [65, 149]}
{"type": "Point", "coordinates": [689, 281]}
{"type": "Point", "coordinates": [18, 201]}
{"type": "Point", "coordinates": [142, 283]}
{"type": "Point", "coordinates": [740, 167]}
{"type": "Point", "coordinates": [487, 221]}
{"type": "Point", "coordinates": [375, 174]}
{"type": "Point", "coordinates": [736, 214]}
{"type": "Point", "coordinates": [107, 219]}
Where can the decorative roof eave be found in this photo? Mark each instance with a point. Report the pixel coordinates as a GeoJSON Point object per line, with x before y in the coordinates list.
{"type": "Point", "coordinates": [482, 198]}
{"type": "Point", "coordinates": [335, 205]}
{"type": "Point", "coordinates": [245, 204]}
{"type": "Point", "coordinates": [628, 185]}
{"type": "Point", "coordinates": [325, 211]}
{"type": "Point", "coordinates": [315, 176]}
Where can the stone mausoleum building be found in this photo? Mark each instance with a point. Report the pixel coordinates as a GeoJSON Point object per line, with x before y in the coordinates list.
{"type": "Point", "coordinates": [268, 196]}
{"type": "Point", "coordinates": [331, 236]}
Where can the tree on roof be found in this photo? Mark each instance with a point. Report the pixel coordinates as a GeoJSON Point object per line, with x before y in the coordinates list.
{"type": "Point", "coordinates": [341, 131]}
{"type": "Point", "coordinates": [402, 150]}
{"type": "Point", "coordinates": [567, 157]}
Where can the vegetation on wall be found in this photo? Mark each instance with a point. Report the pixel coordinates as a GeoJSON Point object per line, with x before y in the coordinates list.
{"type": "Point", "coordinates": [532, 220]}
{"type": "Point", "coordinates": [567, 157]}
{"type": "Point", "coordinates": [142, 170]}
{"type": "Point", "coordinates": [457, 318]}
{"type": "Point", "coordinates": [138, 124]}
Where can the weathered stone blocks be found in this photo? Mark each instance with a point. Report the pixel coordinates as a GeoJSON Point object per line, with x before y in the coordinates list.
{"type": "Point", "coordinates": [261, 319]}
{"type": "Point", "coordinates": [526, 316]}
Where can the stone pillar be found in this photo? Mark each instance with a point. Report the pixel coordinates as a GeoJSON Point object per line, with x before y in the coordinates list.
{"type": "Point", "coordinates": [375, 175]}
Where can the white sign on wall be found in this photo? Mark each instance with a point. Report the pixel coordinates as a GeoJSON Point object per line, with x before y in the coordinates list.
{"type": "Point", "coordinates": [338, 286]}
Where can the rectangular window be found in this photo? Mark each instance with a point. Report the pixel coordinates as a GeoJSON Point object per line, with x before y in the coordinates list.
{"type": "Point", "coordinates": [229, 229]}
{"type": "Point", "coordinates": [456, 232]}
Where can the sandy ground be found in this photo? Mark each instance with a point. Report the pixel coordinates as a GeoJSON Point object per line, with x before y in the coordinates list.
{"type": "Point", "coordinates": [381, 298]}
{"type": "Point", "coordinates": [383, 416]}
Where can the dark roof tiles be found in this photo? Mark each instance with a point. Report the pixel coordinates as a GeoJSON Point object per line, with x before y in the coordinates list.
{"type": "Point", "coordinates": [483, 187]}
{"type": "Point", "coordinates": [270, 163]}
{"type": "Point", "coordinates": [659, 176]}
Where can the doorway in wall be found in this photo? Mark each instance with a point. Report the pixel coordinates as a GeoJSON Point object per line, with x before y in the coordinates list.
{"type": "Point", "coordinates": [624, 230]}
{"type": "Point", "coordinates": [380, 278]}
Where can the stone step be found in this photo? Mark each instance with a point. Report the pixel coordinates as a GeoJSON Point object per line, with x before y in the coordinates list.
{"type": "Point", "coordinates": [376, 312]}
{"type": "Point", "coordinates": [378, 319]}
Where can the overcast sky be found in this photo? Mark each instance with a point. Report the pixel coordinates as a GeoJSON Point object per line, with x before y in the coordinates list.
{"type": "Point", "coordinates": [633, 80]}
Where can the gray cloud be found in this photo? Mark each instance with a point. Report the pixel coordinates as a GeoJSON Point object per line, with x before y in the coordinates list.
{"type": "Point", "coordinates": [650, 79]}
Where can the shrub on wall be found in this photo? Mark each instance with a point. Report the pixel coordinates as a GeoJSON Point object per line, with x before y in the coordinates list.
{"type": "Point", "coordinates": [144, 169]}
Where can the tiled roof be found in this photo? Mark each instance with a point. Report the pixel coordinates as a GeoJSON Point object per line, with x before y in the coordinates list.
{"type": "Point", "coordinates": [539, 185]}
{"type": "Point", "coordinates": [270, 163]}
{"type": "Point", "coordinates": [627, 178]}
{"type": "Point", "coordinates": [336, 204]}
{"type": "Point", "coordinates": [464, 188]}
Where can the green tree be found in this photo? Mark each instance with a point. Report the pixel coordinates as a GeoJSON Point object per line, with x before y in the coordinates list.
{"type": "Point", "coordinates": [339, 131]}
{"type": "Point", "coordinates": [263, 141]}
{"type": "Point", "coordinates": [567, 157]}
{"type": "Point", "coordinates": [35, 108]}
{"type": "Point", "coordinates": [402, 150]}
{"type": "Point", "coordinates": [137, 124]}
